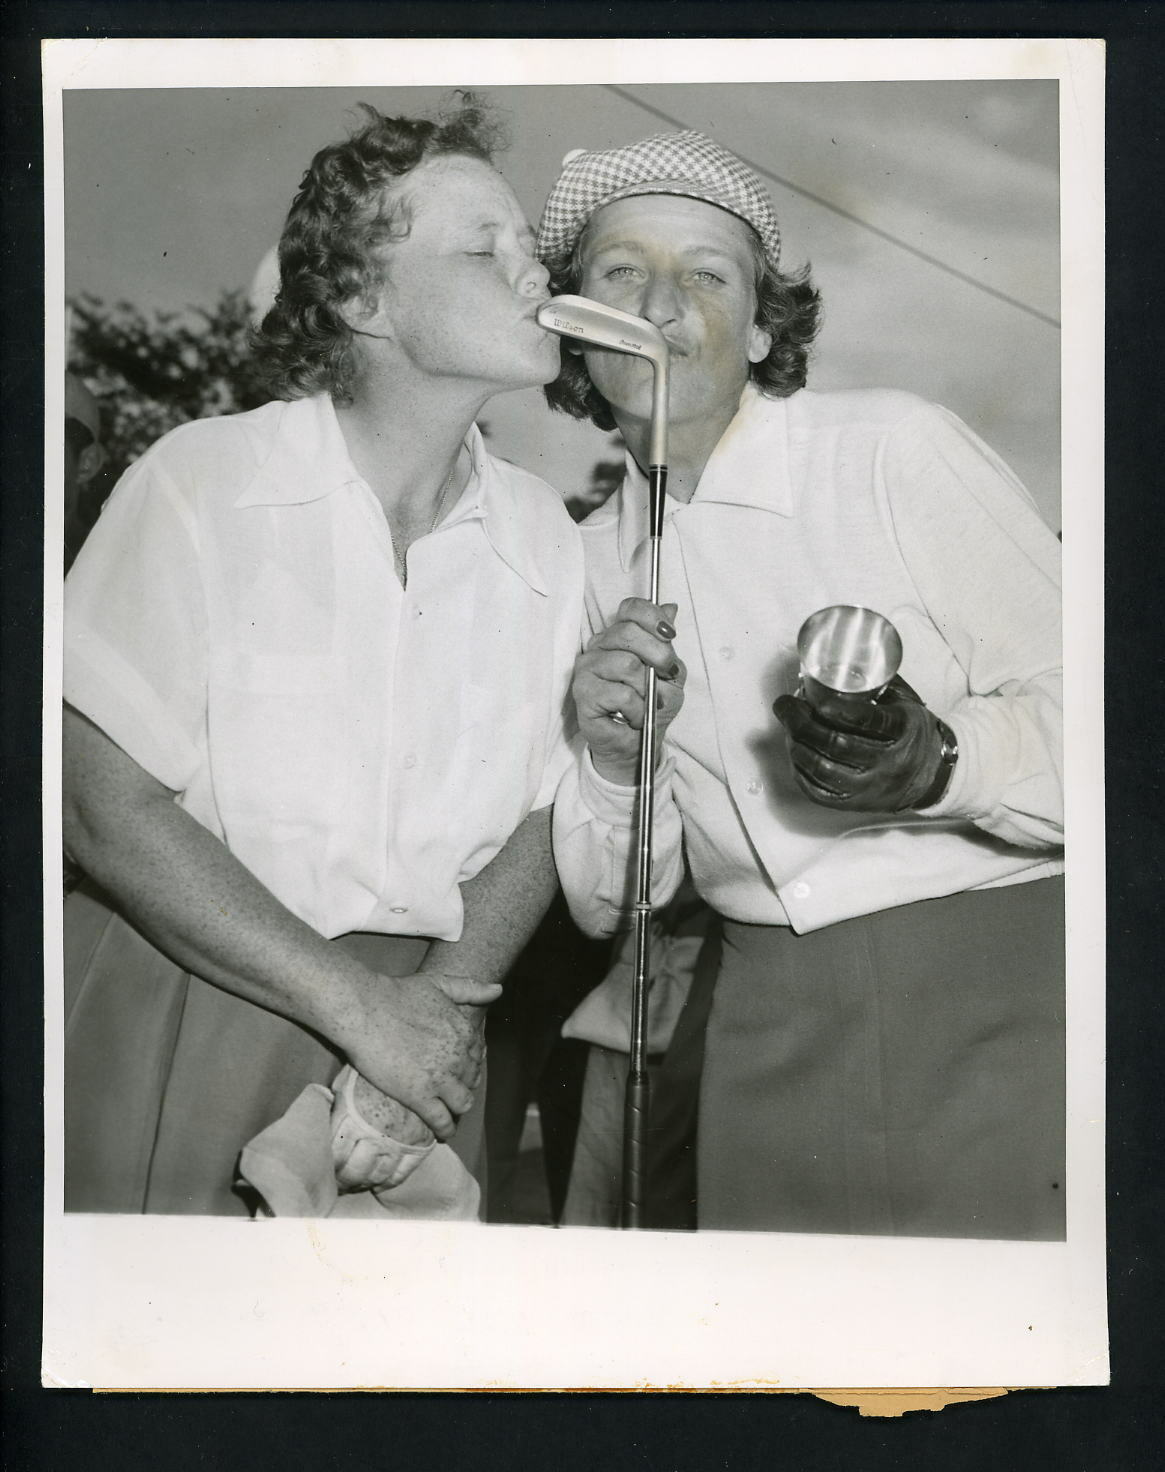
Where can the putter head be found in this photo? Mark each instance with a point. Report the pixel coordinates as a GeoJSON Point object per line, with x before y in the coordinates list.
{"type": "Point", "coordinates": [606, 327]}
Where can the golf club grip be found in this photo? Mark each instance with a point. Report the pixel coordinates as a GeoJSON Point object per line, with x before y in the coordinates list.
{"type": "Point", "coordinates": [657, 477]}
{"type": "Point", "coordinates": [636, 1106]}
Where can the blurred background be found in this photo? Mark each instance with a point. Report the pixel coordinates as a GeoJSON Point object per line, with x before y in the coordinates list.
{"type": "Point", "coordinates": [929, 212]}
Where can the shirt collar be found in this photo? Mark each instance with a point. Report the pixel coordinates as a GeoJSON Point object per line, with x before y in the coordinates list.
{"type": "Point", "coordinates": [308, 459]}
{"type": "Point", "coordinates": [509, 530]}
{"type": "Point", "coordinates": [748, 467]}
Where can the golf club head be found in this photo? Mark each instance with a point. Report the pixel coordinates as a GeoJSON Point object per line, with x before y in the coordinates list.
{"type": "Point", "coordinates": [606, 327]}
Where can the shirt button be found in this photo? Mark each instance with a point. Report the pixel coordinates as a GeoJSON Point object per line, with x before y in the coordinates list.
{"type": "Point", "coordinates": [409, 761]}
{"type": "Point", "coordinates": [754, 787]}
{"type": "Point", "coordinates": [800, 890]}
{"type": "Point", "coordinates": [400, 909]}
{"type": "Point", "coordinates": [727, 652]}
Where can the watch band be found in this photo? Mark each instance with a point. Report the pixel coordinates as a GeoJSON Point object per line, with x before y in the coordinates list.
{"type": "Point", "coordinates": [948, 756]}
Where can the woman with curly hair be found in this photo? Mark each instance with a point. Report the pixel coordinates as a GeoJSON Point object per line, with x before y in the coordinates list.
{"type": "Point", "coordinates": [316, 660]}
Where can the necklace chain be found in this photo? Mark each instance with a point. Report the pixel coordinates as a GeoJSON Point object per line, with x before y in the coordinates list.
{"type": "Point", "coordinates": [400, 550]}
{"type": "Point", "coordinates": [443, 497]}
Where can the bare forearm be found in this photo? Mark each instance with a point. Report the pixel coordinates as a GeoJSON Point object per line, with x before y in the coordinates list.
{"type": "Point", "coordinates": [201, 907]}
{"type": "Point", "coordinates": [190, 896]}
{"type": "Point", "coordinates": [416, 1038]}
{"type": "Point", "coordinates": [503, 905]}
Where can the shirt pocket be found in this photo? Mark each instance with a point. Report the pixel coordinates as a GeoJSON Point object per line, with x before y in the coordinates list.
{"type": "Point", "coordinates": [277, 727]}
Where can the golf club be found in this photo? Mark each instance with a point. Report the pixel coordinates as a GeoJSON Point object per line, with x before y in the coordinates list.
{"type": "Point", "coordinates": [606, 327]}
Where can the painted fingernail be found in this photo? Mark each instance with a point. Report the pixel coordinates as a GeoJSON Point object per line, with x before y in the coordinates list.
{"type": "Point", "coordinates": [664, 629]}
{"type": "Point", "coordinates": [673, 670]}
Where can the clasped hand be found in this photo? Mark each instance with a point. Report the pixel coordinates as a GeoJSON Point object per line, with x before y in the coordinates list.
{"type": "Point", "coordinates": [610, 679]}
{"type": "Point", "coordinates": [419, 1039]}
{"type": "Point", "coordinates": [870, 757]}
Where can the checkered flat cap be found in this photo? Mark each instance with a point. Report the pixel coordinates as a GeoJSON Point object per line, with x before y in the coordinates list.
{"type": "Point", "coordinates": [687, 163]}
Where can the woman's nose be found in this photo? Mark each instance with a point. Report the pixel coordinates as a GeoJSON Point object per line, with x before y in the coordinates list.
{"type": "Point", "coordinates": [535, 278]}
{"type": "Point", "coordinates": [661, 302]}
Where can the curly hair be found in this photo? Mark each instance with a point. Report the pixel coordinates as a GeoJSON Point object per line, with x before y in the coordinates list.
{"type": "Point", "coordinates": [788, 306]}
{"type": "Point", "coordinates": [340, 218]}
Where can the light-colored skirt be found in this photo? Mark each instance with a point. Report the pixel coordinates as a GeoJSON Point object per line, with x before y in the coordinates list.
{"type": "Point", "coordinates": [168, 1077]}
{"type": "Point", "coordinates": [901, 1073]}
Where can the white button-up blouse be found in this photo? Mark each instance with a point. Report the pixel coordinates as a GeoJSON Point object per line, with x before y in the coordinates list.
{"type": "Point", "coordinates": [235, 624]}
{"type": "Point", "coordinates": [873, 498]}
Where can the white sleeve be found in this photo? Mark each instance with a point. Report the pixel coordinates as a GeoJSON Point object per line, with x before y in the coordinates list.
{"type": "Point", "coordinates": [135, 627]}
{"type": "Point", "coordinates": [568, 615]}
{"type": "Point", "coordinates": [594, 845]}
{"type": "Point", "coordinates": [987, 570]}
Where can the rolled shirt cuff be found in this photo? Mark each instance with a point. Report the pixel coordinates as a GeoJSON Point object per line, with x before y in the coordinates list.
{"type": "Point", "coordinates": [614, 804]}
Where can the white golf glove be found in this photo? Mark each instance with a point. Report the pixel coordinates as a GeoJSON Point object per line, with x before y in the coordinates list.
{"type": "Point", "coordinates": [366, 1159]}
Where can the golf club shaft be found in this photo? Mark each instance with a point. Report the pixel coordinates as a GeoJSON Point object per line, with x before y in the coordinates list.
{"type": "Point", "coordinates": [636, 1113]}
{"type": "Point", "coordinates": [607, 327]}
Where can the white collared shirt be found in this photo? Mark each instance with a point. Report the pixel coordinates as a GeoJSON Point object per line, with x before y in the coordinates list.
{"type": "Point", "coordinates": [870, 498]}
{"type": "Point", "coordinates": [235, 624]}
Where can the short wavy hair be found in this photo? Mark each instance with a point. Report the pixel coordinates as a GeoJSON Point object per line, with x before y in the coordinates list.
{"type": "Point", "coordinates": [328, 252]}
{"type": "Point", "coordinates": [788, 306]}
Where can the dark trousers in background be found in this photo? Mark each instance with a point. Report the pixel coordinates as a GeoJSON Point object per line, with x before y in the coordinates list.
{"type": "Point", "coordinates": [670, 1199]}
{"type": "Point", "coordinates": [530, 1061]}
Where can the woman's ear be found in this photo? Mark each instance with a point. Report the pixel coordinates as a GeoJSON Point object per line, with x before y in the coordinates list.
{"type": "Point", "coordinates": [368, 316]}
{"type": "Point", "coordinates": [760, 344]}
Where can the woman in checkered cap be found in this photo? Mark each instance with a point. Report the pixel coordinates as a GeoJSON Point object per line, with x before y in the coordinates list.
{"type": "Point", "coordinates": [882, 1048]}
{"type": "Point", "coordinates": [308, 774]}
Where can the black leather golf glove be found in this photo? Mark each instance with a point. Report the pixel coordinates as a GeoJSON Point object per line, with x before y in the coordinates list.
{"type": "Point", "coordinates": [883, 756]}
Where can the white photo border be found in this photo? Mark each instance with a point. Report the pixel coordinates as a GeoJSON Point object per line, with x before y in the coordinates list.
{"type": "Point", "coordinates": [148, 1303]}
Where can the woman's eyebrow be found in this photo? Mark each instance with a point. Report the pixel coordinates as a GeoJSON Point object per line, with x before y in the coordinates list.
{"type": "Point", "coordinates": [603, 246]}
{"type": "Point", "coordinates": [637, 247]}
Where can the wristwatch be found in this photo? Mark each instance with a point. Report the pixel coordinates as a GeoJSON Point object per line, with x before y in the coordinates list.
{"type": "Point", "coordinates": [948, 755]}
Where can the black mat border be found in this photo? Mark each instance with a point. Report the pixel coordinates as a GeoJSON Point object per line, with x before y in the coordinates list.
{"type": "Point", "coordinates": [1115, 1429]}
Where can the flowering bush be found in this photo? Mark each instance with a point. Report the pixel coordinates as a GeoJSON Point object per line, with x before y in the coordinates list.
{"type": "Point", "coordinates": [151, 374]}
